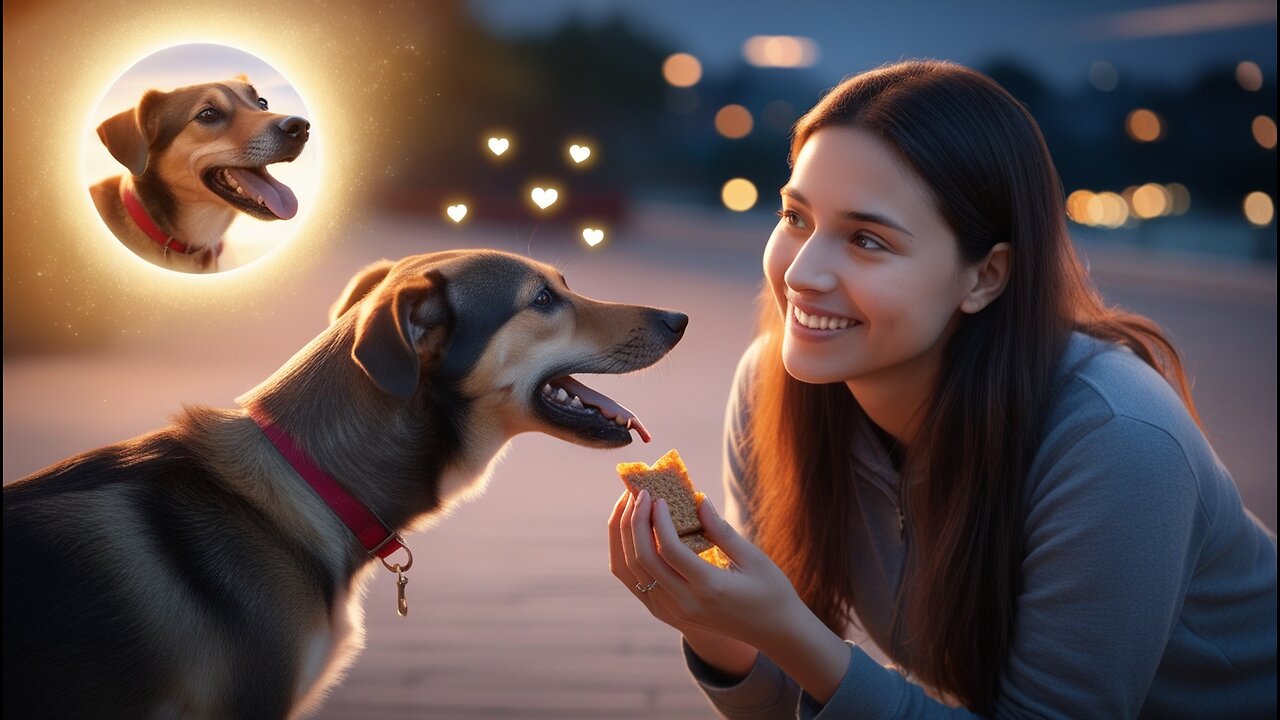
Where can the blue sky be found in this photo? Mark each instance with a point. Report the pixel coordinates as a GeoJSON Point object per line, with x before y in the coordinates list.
{"type": "Point", "coordinates": [1164, 42]}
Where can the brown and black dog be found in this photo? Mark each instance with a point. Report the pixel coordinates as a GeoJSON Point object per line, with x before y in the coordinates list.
{"type": "Point", "coordinates": [192, 573]}
{"type": "Point", "coordinates": [196, 156]}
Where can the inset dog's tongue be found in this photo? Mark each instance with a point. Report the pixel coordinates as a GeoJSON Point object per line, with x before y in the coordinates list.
{"type": "Point", "coordinates": [258, 183]}
{"type": "Point", "coordinates": [605, 404]}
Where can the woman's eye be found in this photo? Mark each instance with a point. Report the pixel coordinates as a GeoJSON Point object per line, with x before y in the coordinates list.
{"type": "Point", "coordinates": [543, 299]}
{"type": "Point", "coordinates": [262, 103]}
{"type": "Point", "coordinates": [208, 115]}
{"type": "Point", "coordinates": [867, 242]}
{"type": "Point", "coordinates": [791, 218]}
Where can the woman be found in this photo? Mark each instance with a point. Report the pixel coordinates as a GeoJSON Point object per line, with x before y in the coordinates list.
{"type": "Point", "coordinates": [942, 434]}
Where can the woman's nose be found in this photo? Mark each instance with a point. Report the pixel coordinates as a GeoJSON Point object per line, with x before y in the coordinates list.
{"type": "Point", "coordinates": [813, 268]}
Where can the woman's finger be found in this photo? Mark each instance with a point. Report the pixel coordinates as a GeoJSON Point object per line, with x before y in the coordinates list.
{"type": "Point", "coordinates": [676, 554]}
{"type": "Point", "coordinates": [617, 560]}
{"type": "Point", "coordinates": [718, 530]}
{"type": "Point", "coordinates": [650, 563]}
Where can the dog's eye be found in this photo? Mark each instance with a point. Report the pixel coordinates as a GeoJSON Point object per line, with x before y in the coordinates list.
{"type": "Point", "coordinates": [542, 299]}
{"type": "Point", "coordinates": [208, 115]}
{"type": "Point", "coordinates": [262, 103]}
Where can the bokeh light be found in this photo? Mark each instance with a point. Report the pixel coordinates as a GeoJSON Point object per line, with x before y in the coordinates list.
{"type": "Point", "coordinates": [1143, 125]}
{"type": "Point", "coordinates": [734, 122]}
{"type": "Point", "coordinates": [739, 194]}
{"type": "Point", "coordinates": [1180, 197]}
{"type": "Point", "coordinates": [783, 51]}
{"type": "Point", "coordinates": [1259, 209]}
{"type": "Point", "coordinates": [1264, 132]}
{"type": "Point", "coordinates": [1078, 206]}
{"type": "Point", "coordinates": [1103, 76]}
{"type": "Point", "coordinates": [1107, 209]}
{"type": "Point", "coordinates": [1249, 75]}
{"type": "Point", "coordinates": [1151, 201]}
{"type": "Point", "coordinates": [682, 70]}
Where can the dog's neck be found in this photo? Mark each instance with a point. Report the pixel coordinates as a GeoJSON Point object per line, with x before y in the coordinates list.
{"type": "Point", "coordinates": [392, 455]}
{"type": "Point", "coordinates": [196, 219]}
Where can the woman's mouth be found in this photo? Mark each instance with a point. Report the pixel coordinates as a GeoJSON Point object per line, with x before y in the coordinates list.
{"type": "Point", "coordinates": [820, 323]}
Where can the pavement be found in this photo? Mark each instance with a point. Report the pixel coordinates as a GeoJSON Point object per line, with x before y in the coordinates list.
{"type": "Point", "coordinates": [513, 612]}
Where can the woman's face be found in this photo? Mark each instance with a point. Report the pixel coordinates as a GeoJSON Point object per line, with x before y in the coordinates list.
{"type": "Point", "coordinates": [868, 275]}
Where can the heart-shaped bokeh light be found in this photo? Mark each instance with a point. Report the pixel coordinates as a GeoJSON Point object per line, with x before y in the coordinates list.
{"type": "Point", "coordinates": [456, 212]}
{"type": "Point", "coordinates": [544, 197]}
{"type": "Point", "coordinates": [593, 236]}
{"type": "Point", "coordinates": [498, 145]}
{"type": "Point", "coordinates": [579, 152]}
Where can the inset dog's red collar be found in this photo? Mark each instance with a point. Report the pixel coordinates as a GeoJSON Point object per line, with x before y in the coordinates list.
{"type": "Point", "coordinates": [378, 540]}
{"type": "Point", "coordinates": [133, 206]}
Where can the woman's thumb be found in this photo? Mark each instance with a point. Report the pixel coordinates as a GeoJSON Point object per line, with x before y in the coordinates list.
{"type": "Point", "coordinates": [719, 531]}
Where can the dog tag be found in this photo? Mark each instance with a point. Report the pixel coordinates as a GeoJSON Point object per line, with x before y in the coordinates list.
{"type": "Point", "coordinates": [402, 603]}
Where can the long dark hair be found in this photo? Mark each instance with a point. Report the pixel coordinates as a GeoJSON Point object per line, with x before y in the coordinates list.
{"type": "Point", "coordinates": [993, 181]}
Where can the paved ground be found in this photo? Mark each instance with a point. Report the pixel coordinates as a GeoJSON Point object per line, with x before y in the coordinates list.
{"type": "Point", "coordinates": [513, 611]}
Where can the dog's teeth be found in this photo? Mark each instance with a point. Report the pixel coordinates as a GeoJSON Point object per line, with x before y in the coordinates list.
{"type": "Point", "coordinates": [561, 395]}
{"type": "Point", "coordinates": [620, 420]}
{"type": "Point", "coordinates": [260, 200]}
{"type": "Point", "coordinates": [546, 389]}
{"type": "Point", "coordinates": [576, 402]}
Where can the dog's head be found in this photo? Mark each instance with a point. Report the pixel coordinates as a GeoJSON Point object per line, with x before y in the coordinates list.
{"type": "Point", "coordinates": [506, 335]}
{"type": "Point", "coordinates": [211, 143]}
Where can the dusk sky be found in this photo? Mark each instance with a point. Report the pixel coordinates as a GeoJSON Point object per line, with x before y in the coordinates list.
{"type": "Point", "coordinates": [1164, 42]}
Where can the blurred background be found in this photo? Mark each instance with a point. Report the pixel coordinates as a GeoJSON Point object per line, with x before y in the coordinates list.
{"type": "Point", "coordinates": [1160, 115]}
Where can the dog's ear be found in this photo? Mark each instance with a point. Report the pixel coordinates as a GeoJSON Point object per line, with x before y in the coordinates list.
{"type": "Point", "coordinates": [359, 286]}
{"type": "Point", "coordinates": [402, 326]}
{"type": "Point", "coordinates": [128, 134]}
{"type": "Point", "coordinates": [122, 135]}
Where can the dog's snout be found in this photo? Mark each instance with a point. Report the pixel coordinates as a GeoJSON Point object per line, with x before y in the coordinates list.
{"type": "Point", "coordinates": [294, 126]}
{"type": "Point", "coordinates": [675, 322]}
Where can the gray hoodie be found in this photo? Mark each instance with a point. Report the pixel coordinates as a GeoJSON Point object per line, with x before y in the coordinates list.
{"type": "Point", "coordinates": [1147, 589]}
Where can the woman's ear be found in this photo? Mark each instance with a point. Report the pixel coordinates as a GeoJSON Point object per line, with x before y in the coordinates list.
{"type": "Point", "coordinates": [987, 279]}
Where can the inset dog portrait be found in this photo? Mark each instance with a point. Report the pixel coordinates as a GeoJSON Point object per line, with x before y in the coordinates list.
{"type": "Point", "coordinates": [215, 568]}
{"type": "Point", "coordinates": [195, 160]}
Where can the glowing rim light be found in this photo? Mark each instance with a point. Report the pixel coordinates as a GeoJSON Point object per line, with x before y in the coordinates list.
{"type": "Point", "coordinates": [260, 269]}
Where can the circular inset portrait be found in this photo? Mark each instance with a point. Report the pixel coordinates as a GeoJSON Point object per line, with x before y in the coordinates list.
{"type": "Point", "coordinates": [200, 158]}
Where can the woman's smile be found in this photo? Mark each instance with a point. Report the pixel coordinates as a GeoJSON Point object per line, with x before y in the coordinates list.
{"type": "Point", "coordinates": [811, 324]}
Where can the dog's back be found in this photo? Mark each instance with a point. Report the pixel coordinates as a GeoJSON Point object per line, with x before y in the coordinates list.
{"type": "Point", "coordinates": [150, 553]}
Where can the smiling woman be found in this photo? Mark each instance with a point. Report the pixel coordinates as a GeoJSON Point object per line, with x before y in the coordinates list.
{"type": "Point", "coordinates": [194, 129]}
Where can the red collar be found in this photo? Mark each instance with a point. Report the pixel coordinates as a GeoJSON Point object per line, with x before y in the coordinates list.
{"type": "Point", "coordinates": [133, 206]}
{"type": "Point", "coordinates": [373, 534]}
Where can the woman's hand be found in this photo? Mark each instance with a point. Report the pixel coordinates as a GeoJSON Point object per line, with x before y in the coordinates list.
{"type": "Point", "coordinates": [724, 614]}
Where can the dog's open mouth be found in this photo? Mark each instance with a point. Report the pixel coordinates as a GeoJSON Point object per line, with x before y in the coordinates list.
{"type": "Point", "coordinates": [590, 414]}
{"type": "Point", "coordinates": [252, 190]}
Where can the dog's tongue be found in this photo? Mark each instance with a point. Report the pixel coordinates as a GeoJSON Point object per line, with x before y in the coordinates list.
{"type": "Point", "coordinates": [258, 183]}
{"type": "Point", "coordinates": [605, 404]}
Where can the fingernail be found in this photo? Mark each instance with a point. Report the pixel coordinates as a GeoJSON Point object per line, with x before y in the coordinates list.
{"type": "Point", "coordinates": [644, 495]}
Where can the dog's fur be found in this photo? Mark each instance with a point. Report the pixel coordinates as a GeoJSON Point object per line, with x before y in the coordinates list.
{"type": "Point", "coordinates": [190, 572]}
{"type": "Point", "coordinates": [176, 146]}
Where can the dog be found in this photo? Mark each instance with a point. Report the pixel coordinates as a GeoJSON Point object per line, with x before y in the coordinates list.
{"type": "Point", "coordinates": [193, 572]}
{"type": "Point", "coordinates": [196, 156]}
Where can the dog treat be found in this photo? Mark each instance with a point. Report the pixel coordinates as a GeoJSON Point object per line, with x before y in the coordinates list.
{"type": "Point", "coordinates": [669, 479]}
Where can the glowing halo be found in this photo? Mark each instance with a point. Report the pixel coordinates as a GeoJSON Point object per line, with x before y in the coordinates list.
{"type": "Point", "coordinates": [248, 240]}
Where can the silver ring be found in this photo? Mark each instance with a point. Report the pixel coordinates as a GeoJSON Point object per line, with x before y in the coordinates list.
{"type": "Point", "coordinates": [647, 588]}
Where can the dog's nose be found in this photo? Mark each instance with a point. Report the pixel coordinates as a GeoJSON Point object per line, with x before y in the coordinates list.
{"type": "Point", "coordinates": [294, 126]}
{"type": "Point", "coordinates": [675, 321]}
